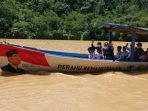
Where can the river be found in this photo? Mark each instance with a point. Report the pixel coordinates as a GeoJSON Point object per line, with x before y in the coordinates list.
{"type": "Point", "coordinates": [55, 91]}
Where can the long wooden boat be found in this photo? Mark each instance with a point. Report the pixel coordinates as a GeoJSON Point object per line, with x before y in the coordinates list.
{"type": "Point", "coordinates": [33, 59]}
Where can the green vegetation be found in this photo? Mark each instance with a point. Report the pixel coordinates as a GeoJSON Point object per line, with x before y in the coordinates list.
{"type": "Point", "coordinates": [68, 19]}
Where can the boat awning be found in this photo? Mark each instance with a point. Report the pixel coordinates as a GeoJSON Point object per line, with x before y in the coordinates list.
{"type": "Point", "coordinates": [109, 27]}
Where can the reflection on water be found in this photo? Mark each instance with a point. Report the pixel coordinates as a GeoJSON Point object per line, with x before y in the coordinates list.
{"type": "Point", "coordinates": [54, 91]}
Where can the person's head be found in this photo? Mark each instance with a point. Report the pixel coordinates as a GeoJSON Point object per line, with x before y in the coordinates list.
{"type": "Point", "coordinates": [91, 49]}
{"type": "Point", "coordinates": [124, 48]}
{"type": "Point", "coordinates": [119, 48]}
{"type": "Point", "coordinates": [13, 57]}
{"type": "Point", "coordinates": [105, 44]}
{"type": "Point", "coordinates": [139, 45]}
{"type": "Point", "coordinates": [99, 44]}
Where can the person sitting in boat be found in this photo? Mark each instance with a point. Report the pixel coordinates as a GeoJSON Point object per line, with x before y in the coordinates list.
{"type": "Point", "coordinates": [108, 51]}
{"type": "Point", "coordinates": [91, 54]}
{"type": "Point", "coordinates": [105, 52]}
{"type": "Point", "coordinates": [94, 51]}
{"type": "Point", "coordinates": [144, 57]}
{"type": "Point", "coordinates": [14, 60]}
{"type": "Point", "coordinates": [99, 50]}
{"type": "Point", "coordinates": [138, 51]}
{"type": "Point", "coordinates": [125, 53]}
{"type": "Point", "coordinates": [99, 47]}
{"type": "Point", "coordinates": [118, 56]}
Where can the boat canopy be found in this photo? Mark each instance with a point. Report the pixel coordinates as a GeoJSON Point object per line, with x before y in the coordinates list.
{"type": "Point", "coordinates": [110, 27]}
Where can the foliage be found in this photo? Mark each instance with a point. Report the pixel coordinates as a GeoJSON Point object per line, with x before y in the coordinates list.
{"type": "Point", "coordinates": [69, 19]}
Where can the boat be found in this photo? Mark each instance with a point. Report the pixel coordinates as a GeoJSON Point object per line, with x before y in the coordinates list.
{"type": "Point", "coordinates": [33, 59]}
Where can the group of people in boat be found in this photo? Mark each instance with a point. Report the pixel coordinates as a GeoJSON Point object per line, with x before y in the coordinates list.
{"type": "Point", "coordinates": [123, 52]}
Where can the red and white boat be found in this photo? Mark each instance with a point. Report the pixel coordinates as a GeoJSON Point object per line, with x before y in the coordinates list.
{"type": "Point", "coordinates": [33, 59]}
{"type": "Point", "coordinates": [44, 60]}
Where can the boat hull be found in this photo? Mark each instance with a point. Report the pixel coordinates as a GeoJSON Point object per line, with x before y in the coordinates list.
{"type": "Point", "coordinates": [39, 60]}
{"type": "Point", "coordinates": [89, 65]}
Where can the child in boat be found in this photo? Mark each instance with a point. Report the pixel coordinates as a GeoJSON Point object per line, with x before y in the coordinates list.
{"type": "Point", "coordinates": [108, 51]}
{"type": "Point", "coordinates": [118, 56]}
{"type": "Point", "coordinates": [95, 52]}
{"type": "Point", "coordinates": [138, 51]}
{"type": "Point", "coordinates": [91, 51]}
{"type": "Point", "coordinates": [105, 50]}
{"type": "Point", "coordinates": [144, 57]}
{"type": "Point", "coordinates": [125, 53]}
{"type": "Point", "coordinates": [99, 51]}
{"type": "Point", "coordinates": [99, 46]}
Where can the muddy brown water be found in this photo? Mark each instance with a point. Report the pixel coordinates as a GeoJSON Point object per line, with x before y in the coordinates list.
{"type": "Point", "coordinates": [55, 91]}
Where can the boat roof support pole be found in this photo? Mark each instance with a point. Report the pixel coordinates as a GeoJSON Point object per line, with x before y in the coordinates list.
{"type": "Point", "coordinates": [132, 48]}
{"type": "Point", "coordinates": [110, 37]}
